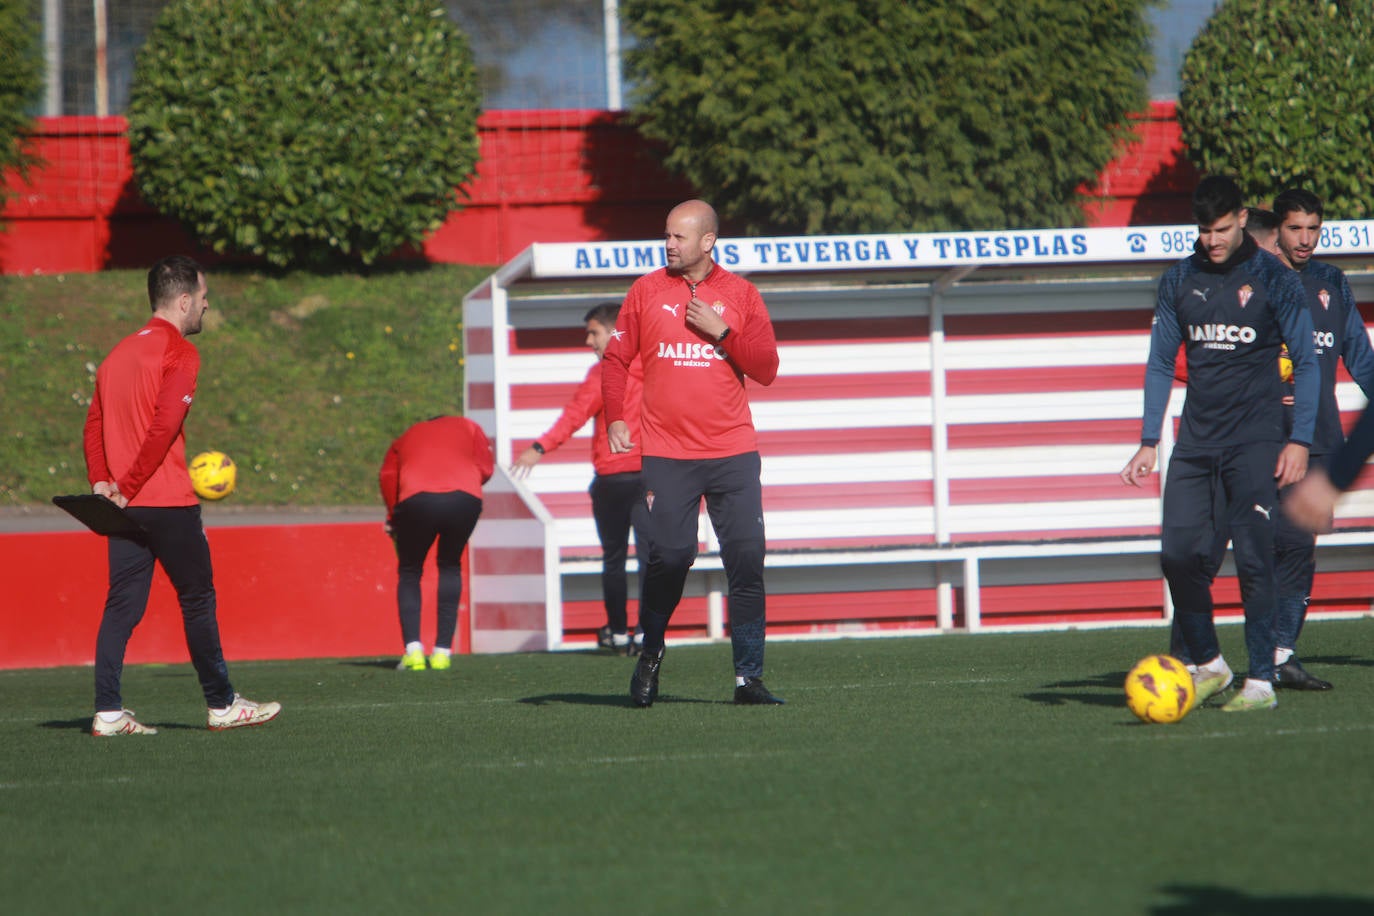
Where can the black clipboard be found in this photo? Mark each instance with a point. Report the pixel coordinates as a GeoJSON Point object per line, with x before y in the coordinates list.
{"type": "Point", "coordinates": [99, 514]}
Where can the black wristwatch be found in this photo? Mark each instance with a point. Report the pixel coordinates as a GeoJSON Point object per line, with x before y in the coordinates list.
{"type": "Point", "coordinates": [723, 334]}
{"type": "Point", "coordinates": [537, 447]}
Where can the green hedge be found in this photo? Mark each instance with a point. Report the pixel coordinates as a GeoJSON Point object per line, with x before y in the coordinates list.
{"type": "Point", "coordinates": [304, 132]}
{"type": "Point", "coordinates": [21, 82]}
{"type": "Point", "coordinates": [828, 116]}
{"type": "Point", "coordinates": [1281, 93]}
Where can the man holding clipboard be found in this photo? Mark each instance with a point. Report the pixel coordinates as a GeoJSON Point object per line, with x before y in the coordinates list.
{"type": "Point", "coordinates": [136, 458]}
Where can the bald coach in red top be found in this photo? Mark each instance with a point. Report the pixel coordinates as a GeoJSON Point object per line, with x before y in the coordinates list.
{"type": "Point", "coordinates": [698, 331]}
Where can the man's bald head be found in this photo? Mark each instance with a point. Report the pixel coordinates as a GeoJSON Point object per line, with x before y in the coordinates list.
{"type": "Point", "coordinates": [689, 236]}
{"type": "Point", "coordinates": [699, 212]}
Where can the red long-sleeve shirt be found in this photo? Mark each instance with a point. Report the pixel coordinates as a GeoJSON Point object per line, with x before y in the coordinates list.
{"type": "Point", "coordinates": [694, 403]}
{"type": "Point", "coordinates": [586, 403]}
{"type": "Point", "coordinates": [133, 432]}
{"type": "Point", "coordinates": [436, 456]}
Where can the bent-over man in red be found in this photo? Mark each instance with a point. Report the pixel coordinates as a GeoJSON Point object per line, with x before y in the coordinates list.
{"type": "Point", "coordinates": [136, 457]}
{"type": "Point", "coordinates": [617, 488]}
{"type": "Point", "coordinates": [431, 481]}
{"type": "Point", "coordinates": [698, 330]}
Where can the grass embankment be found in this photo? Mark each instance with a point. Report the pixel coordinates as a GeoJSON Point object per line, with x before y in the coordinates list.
{"type": "Point", "coordinates": [304, 379]}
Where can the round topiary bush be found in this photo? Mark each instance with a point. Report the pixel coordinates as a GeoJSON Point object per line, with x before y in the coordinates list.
{"type": "Point", "coordinates": [306, 133]}
{"type": "Point", "coordinates": [1281, 93]}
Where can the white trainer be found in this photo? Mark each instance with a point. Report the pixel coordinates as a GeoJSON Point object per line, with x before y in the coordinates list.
{"type": "Point", "coordinates": [242, 713]}
{"type": "Point", "coordinates": [126, 724]}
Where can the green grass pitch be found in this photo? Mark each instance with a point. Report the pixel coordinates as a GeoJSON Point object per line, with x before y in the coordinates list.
{"type": "Point", "coordinates": [987, 774]}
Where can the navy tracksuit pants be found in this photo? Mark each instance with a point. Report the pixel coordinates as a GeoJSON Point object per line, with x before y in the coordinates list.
{"type": "Point", "coordinates": [1206, 493]}
{"type": "Point", "coordinates": [176, 539]}
{"type": "Point", "coordinates": [734, 501]}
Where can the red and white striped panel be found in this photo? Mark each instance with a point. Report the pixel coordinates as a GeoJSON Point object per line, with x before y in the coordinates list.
{"type": "Point", "coordinates": [512, 567]}
{"type": "Point", "coordinates": [1040, 422]}
{"type": "Point", "coordinates": [512, 573]}
{"type": "Point", "coordinates": [479, 364]}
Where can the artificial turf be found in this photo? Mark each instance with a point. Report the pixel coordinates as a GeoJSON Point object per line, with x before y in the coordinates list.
{"type": "Point", "coordinates": [993, 773]}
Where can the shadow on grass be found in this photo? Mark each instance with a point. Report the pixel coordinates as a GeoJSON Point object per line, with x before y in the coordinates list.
{"type": "Point", "coordinates": [594, 652]}
{"type": "Point", "coordinates": [1096, 690]}
{"type": "Point", "coordinates": [75, 725]}
{"type": "Point", "coordinates": [1357, 661]}
{"type": "Point", "coordinates": [388, 664]}
{"type": "Point", "coordinates": [601, 699]}
{"type": "Point", "coordinates": [84, 725]}
{"type": "Point", "coordinates": [1219, 901]}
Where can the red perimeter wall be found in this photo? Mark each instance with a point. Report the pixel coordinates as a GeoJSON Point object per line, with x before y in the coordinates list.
{"type": "Point", "coordinates": [544, 176]}
{"type": "Point", "coordinates": [285, 591]}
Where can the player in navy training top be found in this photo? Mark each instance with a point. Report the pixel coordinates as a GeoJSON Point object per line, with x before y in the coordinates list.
{"type": "Point", "coordinates": [1232, 306]}
{"type": "Point", "coordinates": [1263, 226]}
{"type": "Point", "coordinates": [1338, 332]}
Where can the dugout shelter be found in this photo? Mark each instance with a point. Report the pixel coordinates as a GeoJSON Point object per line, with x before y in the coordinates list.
{"type": "Point", "coordinates": [940, 450]}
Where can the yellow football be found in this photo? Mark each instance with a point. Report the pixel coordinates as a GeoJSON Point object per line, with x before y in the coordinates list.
{"type": "Point", "coordinates": [1159, 689]}
{"type": "Point", "coordinates": [213, 475]}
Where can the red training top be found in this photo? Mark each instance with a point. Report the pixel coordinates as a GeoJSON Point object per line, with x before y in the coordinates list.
{"type": "Point", "coordinates": [133, 433]}
{"type": "Point", "coordinates": [436, 456]}
{"type": "Point", "coordinates": [694, 400]}
{"type": "Point", "coordinates": [586, 403]}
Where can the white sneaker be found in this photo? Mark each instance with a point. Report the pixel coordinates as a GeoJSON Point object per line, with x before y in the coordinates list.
{"type": "Point", "coordinates": [243, 712]}
{"type": "Point", "coordinates": [126, 724]}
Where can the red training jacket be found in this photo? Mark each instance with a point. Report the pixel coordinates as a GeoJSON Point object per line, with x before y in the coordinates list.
{"type": "Point", "coordinates": [133, 434]}
{"type": "Point", "coordinates": [586, 403]}
{"type": "Point", "coordinates": [694, 400]}
{"type": "Point", "coordinates": [436, 456]}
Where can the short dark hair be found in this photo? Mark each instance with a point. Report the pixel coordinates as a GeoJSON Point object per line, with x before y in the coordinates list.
{"type": "Point", "coordinates": [604, 314]}
{"type": "Point", "coordinates": [1261, 220]}
{"type": "Point", "coordinates": [171, 277]}
{"type": "Point", "coordinates": [1214, 197]}
{"type": "Point", "coordinates": [1299, 199]}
